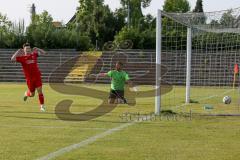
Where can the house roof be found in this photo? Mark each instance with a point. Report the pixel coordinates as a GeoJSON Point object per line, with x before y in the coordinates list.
{"type": "Point", "coordinates": [57, 24]}
{"type": "Point", "coordinates": [72, 19]}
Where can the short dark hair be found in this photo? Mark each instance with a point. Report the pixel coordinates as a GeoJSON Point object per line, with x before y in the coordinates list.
{"type": "Point", "coordinates": [120, 63]}
{"type": "Point", "coordinates": [26, 44]}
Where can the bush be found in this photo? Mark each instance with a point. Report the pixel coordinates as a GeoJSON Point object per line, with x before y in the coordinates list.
{"type": "Point", "coordinates": [129, 34]}
{"type": "Point", "coordinates": [141, 39]}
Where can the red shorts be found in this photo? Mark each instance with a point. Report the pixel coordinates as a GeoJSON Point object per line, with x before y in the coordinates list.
{"type": "Point", "coordinates": [33, 84]}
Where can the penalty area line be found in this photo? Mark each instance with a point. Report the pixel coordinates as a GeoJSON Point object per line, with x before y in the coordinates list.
{"type": "Point", "coordinates": [85, 142]}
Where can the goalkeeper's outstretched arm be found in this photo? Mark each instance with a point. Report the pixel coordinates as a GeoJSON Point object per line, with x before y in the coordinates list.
{"type": "Point", "coordinates": [16, 54]}
{"type": "Point", "coordinates": [102, 74]}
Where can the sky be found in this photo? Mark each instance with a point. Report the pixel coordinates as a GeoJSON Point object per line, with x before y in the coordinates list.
{"type": "Point", "coordinates": [63, 10]}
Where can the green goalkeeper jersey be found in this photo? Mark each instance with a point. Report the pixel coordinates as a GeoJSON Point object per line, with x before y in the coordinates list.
{"type": "Point", "coordinates": [118, 79]}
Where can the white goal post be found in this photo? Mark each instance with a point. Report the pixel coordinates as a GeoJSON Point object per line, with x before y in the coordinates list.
{"type": "Point", "coordinates": [158, 62]}
{"type": "Point", "coordinates": [204, 47]}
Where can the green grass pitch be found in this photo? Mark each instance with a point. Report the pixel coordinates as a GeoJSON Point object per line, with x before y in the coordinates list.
{"type": "Point", "coordinates": [26, 133]}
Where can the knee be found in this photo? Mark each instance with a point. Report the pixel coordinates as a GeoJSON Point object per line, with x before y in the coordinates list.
{"type": "Point", "coordinates": [39, 91]}
{"type": "Point", "coordinates": [32, 94]}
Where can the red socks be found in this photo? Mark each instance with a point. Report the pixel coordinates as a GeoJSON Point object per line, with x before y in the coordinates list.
{"type": "Point", "coordinates": [41, 99]}
{"type": "Point", "coordinates": [40, 96]}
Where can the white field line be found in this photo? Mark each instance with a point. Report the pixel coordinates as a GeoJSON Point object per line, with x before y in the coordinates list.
{"type": "Point", "coordinates": [206, 98]}
{"type": "Point", "coordinates": [101, 135]}
{"type": "Point", "coordinates": [85, 142]}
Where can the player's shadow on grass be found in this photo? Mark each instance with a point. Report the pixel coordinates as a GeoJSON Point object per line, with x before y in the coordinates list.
{"type": "Point", "coordinates": [62, 109]}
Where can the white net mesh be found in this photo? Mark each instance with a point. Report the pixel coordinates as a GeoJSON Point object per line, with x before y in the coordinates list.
{"type": "Point", "coordinates": [215, 52]}
{"type": "Point", "coordinates": [227, 21]}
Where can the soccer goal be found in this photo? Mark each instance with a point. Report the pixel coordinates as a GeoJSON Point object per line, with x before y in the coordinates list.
{"type": "Point", "coordinates": [201, 52]}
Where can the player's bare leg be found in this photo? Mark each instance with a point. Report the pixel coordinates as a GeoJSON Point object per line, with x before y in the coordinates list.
{"type": "Point", "coordinates": [28, 94]}
{"type": "Point", "coordinates": [121, 101]}
{"type": "Point", "coordinates": [111, 100]}
{"type": "Point", "coordinates": [41, 99]}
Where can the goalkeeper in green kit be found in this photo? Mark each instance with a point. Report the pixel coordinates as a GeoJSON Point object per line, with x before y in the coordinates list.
{"type": "Point", "coordinates": [118, 79]}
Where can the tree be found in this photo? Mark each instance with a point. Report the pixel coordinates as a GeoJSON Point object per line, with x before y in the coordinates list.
{"type": "Point", "coordinates": [33, 13]}
{"type": "Point", "coordinates": [5, 24]}
{"type": "Point", "coordinates": [94, 19]}
{"type": "Point", "coordinates": [5, 35]}
{"type": "Point", "coordinates": [17, 33]}
{"type": "Point", "coordinates": [135, 7]}
{"type": "Point", "coordinates": [227, 19]}
{"type": "Point", "coordinates": [130, 33]}
{"type": "Point", "coordinates": [140, 39]}
{"type": "Point", "coordinates": [214, 23]}
{"type": "Point", "coordinates": [199, 6]}
{"type": "Point", "coordinates": [119, 16]}
{"type": "Point", "coordinates": [142, 28]}
{"type": "Point", "coordinates": [39, 33]}
{"type": "Point", "coordinates": [199, 18]}
{"type": "Point", "coordinates": [181, 6]}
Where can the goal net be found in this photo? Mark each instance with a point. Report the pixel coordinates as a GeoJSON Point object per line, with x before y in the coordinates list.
{"type": "Point", "coordinates": [201, 52]}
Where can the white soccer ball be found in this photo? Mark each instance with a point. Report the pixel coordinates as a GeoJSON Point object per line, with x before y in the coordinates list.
{"type": "Point", "coordinates": [227, 100]}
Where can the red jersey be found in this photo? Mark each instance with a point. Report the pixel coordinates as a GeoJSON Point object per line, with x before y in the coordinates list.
{"type": "Point", "coordinates": [30, 66]}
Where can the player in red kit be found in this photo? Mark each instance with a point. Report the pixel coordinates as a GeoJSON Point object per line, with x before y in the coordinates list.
{"type": "Point", "coordinates": [28, 59]}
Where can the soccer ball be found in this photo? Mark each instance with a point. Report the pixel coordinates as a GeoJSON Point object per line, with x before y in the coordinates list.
{"type": "Point", "coordinates": [227, 100]}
